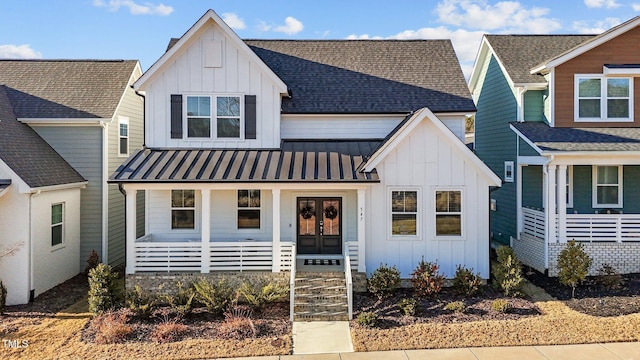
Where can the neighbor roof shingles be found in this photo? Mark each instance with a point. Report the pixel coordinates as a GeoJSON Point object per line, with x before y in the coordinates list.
{"type": "Point", "coordinates": [28, 155]}
{"type": "Point", "coordinates": [65, 88]}
{"type": "Point", "coordinates": [520, 53]}
{"type": "Point", "coordinates": [367, 76]}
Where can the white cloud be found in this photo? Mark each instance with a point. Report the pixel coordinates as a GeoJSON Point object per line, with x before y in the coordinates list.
{"type": "Point", "coordinates": [19, 52]}
{"type": "Point", "coordinates": [233, 21]}
{"type": "Point", "coordinates": [595, 27]}
{"type": "Point", "coordinates": [636, 6]}
{"type": "Point", "coordinates": [135, 8]}
{"type": "Point", "coordinates": [503, 16]}
{"type": "Point", "coordinates": [291, 26]}
{"type": "Point", "coordinates": [609, 4]}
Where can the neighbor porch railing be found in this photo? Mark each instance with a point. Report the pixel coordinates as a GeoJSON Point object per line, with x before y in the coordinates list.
{"type": "Point", "coordinates": [533, 222]}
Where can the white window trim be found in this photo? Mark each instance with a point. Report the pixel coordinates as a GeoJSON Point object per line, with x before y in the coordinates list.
{"type": "Point", "coordinates": [507, 165]}
{"type": "Point", "coordinates": [250, 208]}
{"type": "Point", "coordinates": [594, 188]}
{"type": "Point", "coordinates": [603, 99]}
{"type": "Point", "coordinates": [124, 120]}
{"type": "Point", "coordinates": [196, 213]}
{"type": "Point", "coordinates": [213, 125]}
{"type": "Point", "coordinates": [462, 214]}
{"type": "Point", "coordinates": [570, 186]}
{"type": "Point", "coordinates": [62, 223]}
{"type": "Point", "coordinates": [390, 235]}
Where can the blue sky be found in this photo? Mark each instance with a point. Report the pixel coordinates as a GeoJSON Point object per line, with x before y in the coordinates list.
{"type": "Point", "coordinates": [141, 29]}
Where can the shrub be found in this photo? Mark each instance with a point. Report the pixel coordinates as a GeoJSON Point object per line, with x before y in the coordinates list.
{"type": "Point", "coordinates": [182, 301]}
{"type": "Point", "coordinates": [92, 262]}
{"type": "Point", "coordinates": [141, 303]}
{"type": "Point", "coordinates": [111, 327]}
{"type": "Point", "coordinates": [384, 281]}
{"type": "Point", "coordinates": [408, 306]}
{"type": "Point", "coordinates": [466, 282]}
{"type": "Point", "coordinates": [237, 324]}
{"type": "Point", "coordinates": [455, 306]}
{"type": "Point", "coordinates": [103, 290]}
{"type": "Point", "coordinates": [168, 331]}
{"type": "Point", "coordinates": [573, 265]}
{"type": "Point", "coordinates": [367, 319]}
{"type": "Point", "coordinates": [216, 296]}
{"type": "Point", "coordinates": [508, 272]}
{"type": "Point", "coordinates": [609, 277]}
{"type": "Point", "coordinates": [501, 305]}
{"type": "Point", "coordinates": [426, 279]}
{"type": "Point", "coordinates": [3, 298]}
{"type": "Point", "coordinates": [258, 295]}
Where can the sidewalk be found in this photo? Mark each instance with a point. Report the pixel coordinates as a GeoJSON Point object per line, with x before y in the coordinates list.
{"type": "Point", "coordinates": [613, 351]}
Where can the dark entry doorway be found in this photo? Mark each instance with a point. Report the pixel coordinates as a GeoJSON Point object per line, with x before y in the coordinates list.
{"type": "Point", "coordinates": [319, 225]}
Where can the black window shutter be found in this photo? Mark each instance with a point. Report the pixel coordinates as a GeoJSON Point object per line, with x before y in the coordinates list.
{"type": "Point", "coordinates": [249, 116]}
{"type": "Point", "coordinates": [176, 116]}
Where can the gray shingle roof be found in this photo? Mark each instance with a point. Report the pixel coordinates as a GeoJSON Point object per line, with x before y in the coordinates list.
{"type": "Point", "coordinates": [367, 76]}
{"type": "Point", "coordinates": [520, 53]}
{"type": "Point", "coordinates": [296, 161]}
{"type": "Point", "coordinates": [580, 139]}
{"type": "Point", "coordinates": [27, 154]}
{"type": "Point", "coordinates": [65, 88]}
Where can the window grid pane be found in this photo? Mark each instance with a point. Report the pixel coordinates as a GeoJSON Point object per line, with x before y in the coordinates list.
{"type": "Point", "coordinates": [448, 213]}
{"type": "Point", "coordinates": [248, 209]}
{"type": "Point", "coordinates": [404, 208]}
{"type": "Point", "coordinates": [183, 209]}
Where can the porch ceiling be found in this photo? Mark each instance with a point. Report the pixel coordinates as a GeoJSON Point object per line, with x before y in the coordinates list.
{"type": "Point", "coordinates": [551, 139]}
{"type": "Point", "coordinates": [295, 161]}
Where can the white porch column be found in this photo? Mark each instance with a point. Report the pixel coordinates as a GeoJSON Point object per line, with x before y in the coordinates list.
{"type": "Point", "coordinates": [520, 223]}
{"type": "Point", "coordinates": [550, 210]}
{"type": "Point", "coordinates": [562, 203]}
{"type": "Point", "coordinates": [361, 231]}
{"type": "Point", "coordinates": [130, 221]}
{"type": "Point", "coordinates": [275, 213]}
{"type": "Point", "coordinates": [205, 230]}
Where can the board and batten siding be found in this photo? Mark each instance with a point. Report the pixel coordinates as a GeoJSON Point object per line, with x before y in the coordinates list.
{"type": "Point", "coordinates": [81, 147]}
{"type": "Point", "coordinates": [426, 161]}
{"type": "Point", "coordinates": [131, 107]}
{"type": "Point", "coordinates": [495, 143]}
{"type": "Point", "coordinates": [185, 74]}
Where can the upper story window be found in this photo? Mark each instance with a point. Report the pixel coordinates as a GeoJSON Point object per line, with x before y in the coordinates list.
{"type": "Point", "coordinates": [228, 115]}
{"type": "Point", "coordinates": [600, 98]}
{"type": "Point", "coordinates": [123, 136]}
{"type": "Point", "coordinates": [508, 171]}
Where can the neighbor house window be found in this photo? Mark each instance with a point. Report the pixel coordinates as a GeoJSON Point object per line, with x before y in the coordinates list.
{"type": "Point", "coordinates": [227, 116]}
{"type": "Point", "coordinates": [448, 213]}
{"type": "Point", "coordinates": [57, 224]}
{"type": "Point", "coordinates": [183, 209]}
{"type": "Point", "coordinates": [248, 209]}
{"type": "Point", "coordinates": [404, 213]}
{"type": "Point", "coordinates": [600, 98]}
{"type": "Point", "coordinates": [123, 136]}
{"type": "Point", "coordinates": [508, 171]}
{"type": "Point", "coordinates": [607, 186]}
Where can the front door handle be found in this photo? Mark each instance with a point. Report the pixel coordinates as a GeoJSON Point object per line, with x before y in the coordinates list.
{"type": "Point", "coordinates": [321, 227]}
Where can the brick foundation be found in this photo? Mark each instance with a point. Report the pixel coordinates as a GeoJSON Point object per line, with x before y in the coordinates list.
{"type": "Point", "coordinates": [624, 257]}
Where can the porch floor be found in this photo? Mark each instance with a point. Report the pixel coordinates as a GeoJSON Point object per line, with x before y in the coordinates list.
{"type": "Point", "coordinates": [308, 267]}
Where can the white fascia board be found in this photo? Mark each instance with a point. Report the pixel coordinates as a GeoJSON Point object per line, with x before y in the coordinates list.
{"type": "Point", "coordinates": [614, 71]}
{"type": "Point", "coordinates": [209, 15]}
{"type": "Point", "coordinates": [64, 121]}
{"type": "Point", "coordinates": [234, 186]}
{"type": "Point", "coordinates": [79, 185]}
{"type": "Point", "coordinates": [532, 86]}
{"type": "Point", "coordinates": [520, 135]}
{"type": "Point", "coordinates": [342, 116]}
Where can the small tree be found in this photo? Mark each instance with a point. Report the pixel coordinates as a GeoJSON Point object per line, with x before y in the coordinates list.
{"type": "Point", "coordinates": [508, 272]}
{"type": "Point", "coordinates": [426, 278]}
{"type": "Point", "coordinates": [384, 281]}
{"type": "Point", "coordinates": [573, 265]}
{"type": "Point", "coordinates": [103, 290]}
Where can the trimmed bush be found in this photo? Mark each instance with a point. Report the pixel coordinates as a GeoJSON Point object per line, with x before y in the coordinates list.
{"type": "Point", "coordinates": [573, 265]}
{"type": "Point", "coordinates": [426, 279]}
{"type": "Point", "coordinates": [609, 277]}
{"type": "Point", "coordinates": [141, 303]}
{"type": "Point", "coordinates": [216, 296]}
{"type": "Point", "coordinates": [501, 306]}
{"type": "Point", "coordinates": [367, 319]}
{"type": "Point", "coordinates": [455, 306]}
{"type": "Point", "coordinates": [111, 327]}
{"type": "Point", "coordinates": [384, 281]}
{"type": "Point", "coordinates": [92, 262]}
{"type": "Point", "coordinates": [182, 301]}
{"type": "Point", "coordinates": [103, 291]}
{"type": "Point", "coordinates": [465, 282]}
{"type": "Point", "coordinates": [261, 294]}
{"type": "Point", "coordinates": [408, 306]}
{"type": "Point", "coordinates": [508, 272]}
{"type": "Point", "coordinates": [169, 331]}
{"type": "Point", "coordinates": [238, 324]}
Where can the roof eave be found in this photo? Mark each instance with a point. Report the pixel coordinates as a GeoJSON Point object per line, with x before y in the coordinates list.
{"type": "Point", "coordinates": [64, 121]}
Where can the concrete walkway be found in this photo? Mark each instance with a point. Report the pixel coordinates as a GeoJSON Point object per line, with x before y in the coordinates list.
{"type": "Point", "coordinates": [613, 351]}
{"type": "Point", "coordinates": [317, 337]}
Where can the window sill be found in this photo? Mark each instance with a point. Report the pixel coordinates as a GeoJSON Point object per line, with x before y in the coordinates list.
{"type": "Point", "coordinates": [607, 120]}
{"type": "Point", "coordinates": [404, 237]}
{"type": "Point", "coordinates": [448, 237]}
{"type": "Point", "coordinates": [55, 248]}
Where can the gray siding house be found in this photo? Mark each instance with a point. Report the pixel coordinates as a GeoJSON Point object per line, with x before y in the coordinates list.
{"type": "Point", "coordinates": [88, 113]}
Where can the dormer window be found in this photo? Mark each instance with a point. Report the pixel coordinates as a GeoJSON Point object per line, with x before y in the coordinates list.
{"type": "Point", "coordinates": [228, 116]}
{"type": "Point", "coordinates": [600, 98]}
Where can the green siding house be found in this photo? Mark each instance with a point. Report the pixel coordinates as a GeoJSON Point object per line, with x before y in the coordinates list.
{"type": "Point", "coordinates": [558, 120]}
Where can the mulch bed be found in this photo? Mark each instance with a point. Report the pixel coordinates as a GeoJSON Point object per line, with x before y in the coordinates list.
{"type": "Point", "coordinates": [591, 297]}
{"type": "Point", "coordinates": [431, 310]}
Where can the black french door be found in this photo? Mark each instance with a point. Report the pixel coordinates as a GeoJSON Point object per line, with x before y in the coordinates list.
{"type": "Point", "coordinates": [319, 225]}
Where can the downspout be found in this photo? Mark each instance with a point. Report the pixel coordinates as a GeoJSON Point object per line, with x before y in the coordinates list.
{"type": "Point", "coordinates": [491, 189]}
{"type": "Point", "coordinates": [124, 193]}
{"type": "Point", "coordinates": [32, 290]}
{"type": "Point", "coordinates": [520, 113]}
{"type": "Point", "coordinates": [105, 192]}
{"type": "Point", "coordinates": [144, 118]}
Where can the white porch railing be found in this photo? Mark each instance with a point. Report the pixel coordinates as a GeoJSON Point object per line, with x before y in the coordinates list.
{"type": "Point", "coordinates": [167, 256]}
{"type": "Point", "coordinates": [533, 222]}
{"type": "Point", "coordinates": [241, 256]}
{"type": "Point", "coordinates": [352, 251]}
{"type": "Point", "coordinates": [349, 281]}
